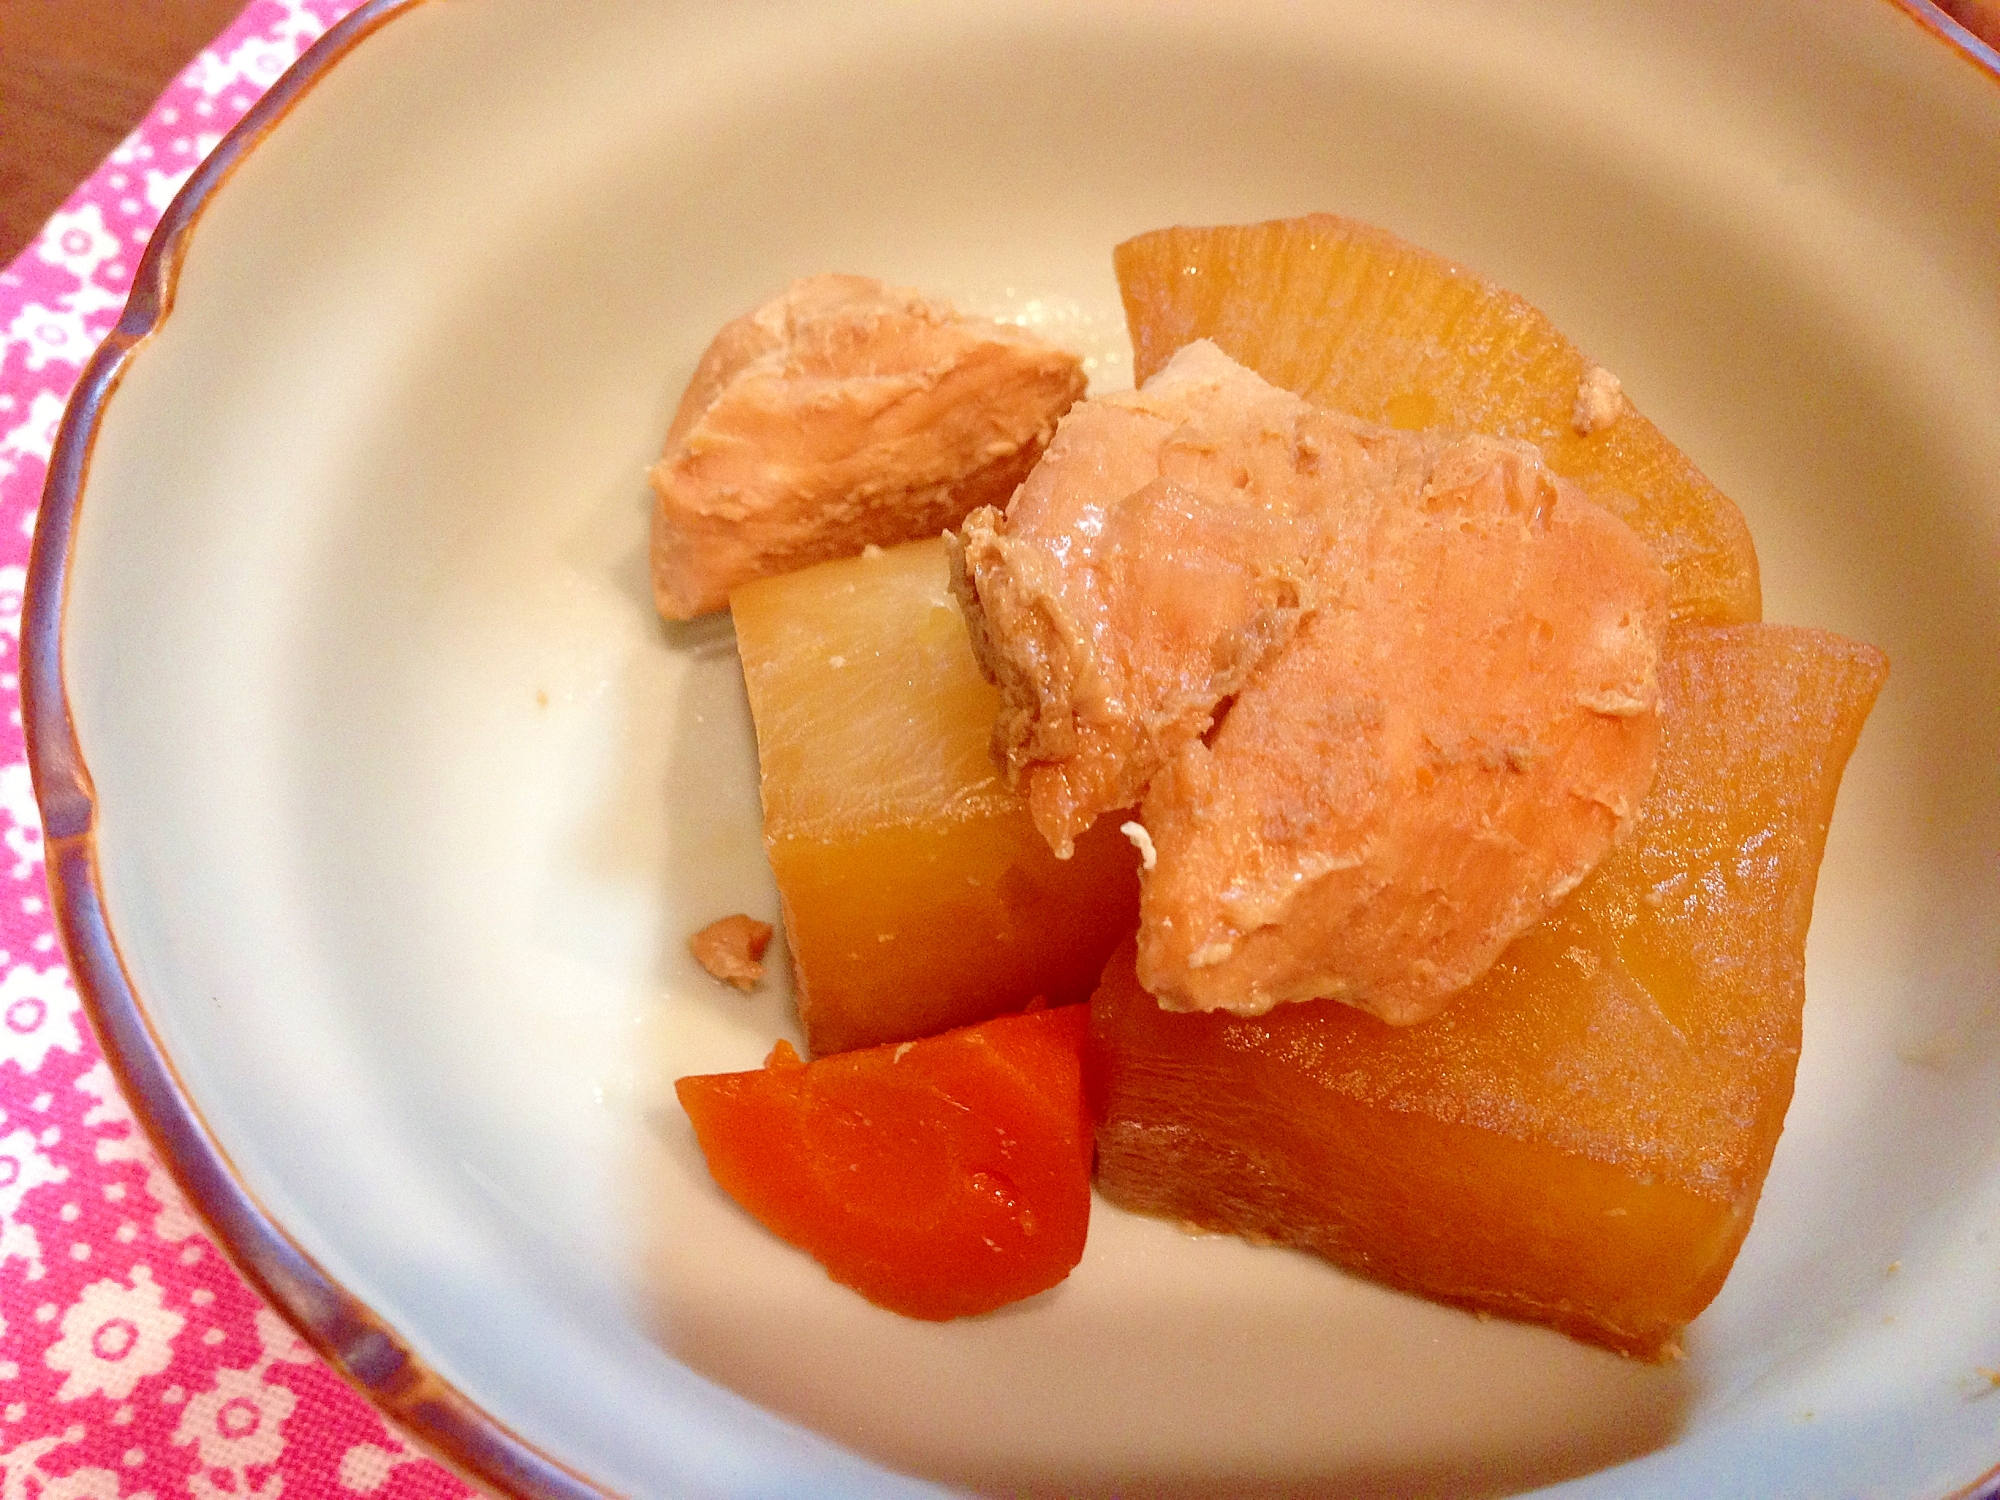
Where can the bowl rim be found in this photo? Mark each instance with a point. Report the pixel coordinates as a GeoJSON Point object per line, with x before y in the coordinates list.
{"type": "Point", "coordinates": [359, 1344]}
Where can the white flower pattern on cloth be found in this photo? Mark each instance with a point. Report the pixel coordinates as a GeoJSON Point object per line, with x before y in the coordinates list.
{"type": "Point", "coordinates": [114, 1336]}
{"type": "Point", "coordinates": [78, 242]}
{"type": "Point", "coordinates": [66, 332]}
{"type": "Point", "coordinates": [237, 1426]}
{"type": "Point", "coordinates": [22, 832]}
{"type": "Point", "coordinates": [83, 1484]}
{"type": "Point", "coordinates": [365, 1468]}
{"type": "Point", "coordinates": [19, 1466]}
{"type": "Point", "coordinates": [23, 1168]}
{"type": "Point", "coordinates": [134, 1364]}
{"type": "Point", "coordinates": [38, 1008]}
{"type": "Point", "coordinates": [31, 438]}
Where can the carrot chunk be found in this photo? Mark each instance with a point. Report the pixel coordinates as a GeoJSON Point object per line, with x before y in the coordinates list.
{"type": "Point", "coordinates": [938, 1178]}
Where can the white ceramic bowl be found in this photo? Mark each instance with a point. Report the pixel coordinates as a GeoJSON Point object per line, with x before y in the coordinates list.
{"type": "Point", "coordinates": [380, 803]}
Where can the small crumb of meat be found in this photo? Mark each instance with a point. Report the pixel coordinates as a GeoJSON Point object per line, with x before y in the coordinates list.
{"type": "Point", "coordinates": [1600, 401]}
{"type": "Point", "coordinates": [1143, 842]}
{"type": "Point", "coordinates": [840, 415]}
{"type": "Point", "coordinates": [733, 949]}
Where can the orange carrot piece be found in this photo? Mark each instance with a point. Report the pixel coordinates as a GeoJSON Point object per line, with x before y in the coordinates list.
{"type": "Point", "coordinates": [938, 1178]}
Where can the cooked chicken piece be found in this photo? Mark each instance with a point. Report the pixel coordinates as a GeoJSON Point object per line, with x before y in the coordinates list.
{"type": "Point", "coordinates": [1142, 572]}
{"type": "Point", "coordinates": [1383, 697]}
{"type": "Point", "coordinates": [732, 949]}
{"type": "Point", "coordinates": [839, 414]}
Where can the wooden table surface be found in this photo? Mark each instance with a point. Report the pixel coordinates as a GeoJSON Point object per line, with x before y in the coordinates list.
{"type": "Point", "coordinates": [75, 76]}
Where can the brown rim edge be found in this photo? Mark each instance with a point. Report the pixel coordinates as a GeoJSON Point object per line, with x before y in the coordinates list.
{"type": "Point", "coordinates": [349, 1335]}
{"type": "Point", "coordinates": [1954, 33]}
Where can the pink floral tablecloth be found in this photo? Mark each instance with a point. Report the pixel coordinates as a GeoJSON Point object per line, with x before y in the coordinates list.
{"type": "Point", "coordinates": [133, 1361]}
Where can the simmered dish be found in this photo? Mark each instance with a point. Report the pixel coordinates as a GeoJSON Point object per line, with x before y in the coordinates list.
{"type": "Point", "coordinates": [1367, 715]}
